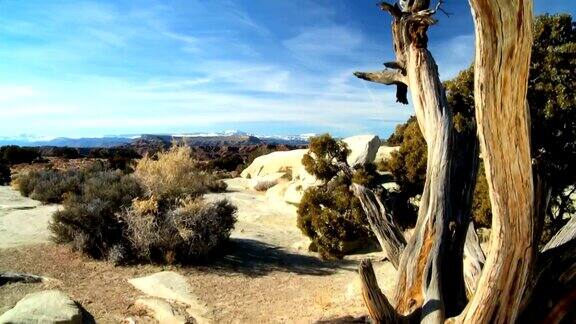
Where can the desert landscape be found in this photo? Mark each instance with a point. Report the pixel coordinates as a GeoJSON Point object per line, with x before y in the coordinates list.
{"type": "Point", "coordinates": [267, 264]}
{"type": "Point", "coordinates": [245, 162]}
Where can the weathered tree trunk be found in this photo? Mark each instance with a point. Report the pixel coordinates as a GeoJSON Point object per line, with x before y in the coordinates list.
{"type": "Point", "coordinates": [503, 46]}
{"type": "Point", "coordinates": [388, 234]}
{"type": "Point", "coordinates": [430, 279]}
{"type": "Point", "coordinates": [393, 242]}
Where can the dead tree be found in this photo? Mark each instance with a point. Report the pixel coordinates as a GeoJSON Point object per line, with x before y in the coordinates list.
{"type": "Point", "coordinates": [517, 283]}
{"type": "Point", "coordinates": [503, 47]}
{"type": "Point", "coordinates": [430, 275]}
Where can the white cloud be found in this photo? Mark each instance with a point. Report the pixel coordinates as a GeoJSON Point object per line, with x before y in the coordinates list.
{"type": "Point", "coordinates": [15, 92]}
{"type": "Point", "coordinates": [327, 40]}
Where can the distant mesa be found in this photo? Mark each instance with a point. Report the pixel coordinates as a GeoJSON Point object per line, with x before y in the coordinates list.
{"type": "Point", "coordinates": [228, 138]}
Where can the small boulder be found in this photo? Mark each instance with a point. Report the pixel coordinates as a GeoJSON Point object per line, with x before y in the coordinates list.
{"type": "Point", "coordinates": [385, 152]}
{"type": "Point", "coordinates": [281, 161]}
{"type": "Point", "coordinates": [363, 149]}
{"type": "Point", "coordinates": [49, 306]}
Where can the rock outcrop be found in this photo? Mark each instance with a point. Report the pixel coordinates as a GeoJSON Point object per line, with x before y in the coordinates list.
{"type": "Point", "coordinates": [287, 162]}
{"type": "Point", "coordinates": [363, 149]}
{"type": "Point", "coordinates": [284, 178]}
{"type": "Point", "coordinates": [49, 306]}
{"type": "Point", "coordinates": [281, 174]}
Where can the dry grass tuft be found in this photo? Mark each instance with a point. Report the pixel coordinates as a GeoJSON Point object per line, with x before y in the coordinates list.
{"type": "Point", "coordinates": [175, 175]}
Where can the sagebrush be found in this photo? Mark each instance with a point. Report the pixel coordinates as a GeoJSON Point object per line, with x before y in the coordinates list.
{"type": "Point", "coordinates": [155, 214]}
{"type": "Point", "coordinates": [182, 232]}
{"type": "Point", "coordinates": [174, 175]}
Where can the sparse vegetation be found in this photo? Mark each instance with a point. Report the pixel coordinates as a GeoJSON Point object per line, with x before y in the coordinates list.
{"type": "Point", "coordinates": [88, 221]}
{"type": "Point", "coordinates": [118, 158]}
{"type": "Point", "coordinates": [51, 185]}
{"type": "Point", "coordinates": [155, 214]}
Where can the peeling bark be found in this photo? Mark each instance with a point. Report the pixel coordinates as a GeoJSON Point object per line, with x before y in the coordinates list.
{"type": "Point", "coordinates": [503, 47]}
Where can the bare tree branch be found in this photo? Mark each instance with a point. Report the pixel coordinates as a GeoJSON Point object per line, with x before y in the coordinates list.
{"type": "Point", "coordinates": [388, 77]}
{"type": "Point", "coordinates": [11, 277]}
{"type": "Point", "coordinates": [388, 234]}
{"type": "Point", "coordinates": [379, 308]}
{"type": "Point", "coordinates": [393, 9]}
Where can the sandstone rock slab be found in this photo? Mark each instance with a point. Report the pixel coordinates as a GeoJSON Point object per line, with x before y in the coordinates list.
{"type": "Point", "coordinates": [281, 161]}
{"type": "Point", "coordinates": [170, 285]}
{"type": "Point", "coordinates": [49, 306]}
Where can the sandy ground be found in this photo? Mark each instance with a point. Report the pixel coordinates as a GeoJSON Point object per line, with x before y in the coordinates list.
{"type": "Point", "coordinates": [265, 276]}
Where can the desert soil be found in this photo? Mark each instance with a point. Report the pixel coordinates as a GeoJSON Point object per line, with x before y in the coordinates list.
{"type": "Point", "coordinates": [265, 275]}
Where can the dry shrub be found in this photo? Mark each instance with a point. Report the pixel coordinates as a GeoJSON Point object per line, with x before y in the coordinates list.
{"type": "Point", "coordinates": [175, 175]}
{"type": "Point", "coordinates": [154, 214]}
{"type": "Point", "coordinates": [49, 186]}
{"type": "Point", "coordinates": [184, 232]}
{"type": "Point", "coordinates": [263, 183]}
{"type": "Point", "coordinates": [88, 221]}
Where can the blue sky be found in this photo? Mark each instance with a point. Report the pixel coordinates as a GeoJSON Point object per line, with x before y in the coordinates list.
{"type": "Point", "coordinates": [82, 68]}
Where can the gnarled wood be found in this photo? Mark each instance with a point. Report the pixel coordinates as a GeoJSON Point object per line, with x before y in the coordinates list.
{"type": "Point", "coordinates": [11, 277]}
{"type": "Point", "coordinates": [388, 234]}
{"type": "Point", "coordinates": [388, 77]}
{"type": "Point", "coordinates": [430, 275]}
{"type": "Point", "coordinates": [503, 43]}
{"type": "Point", "coordinates": [379, 308]}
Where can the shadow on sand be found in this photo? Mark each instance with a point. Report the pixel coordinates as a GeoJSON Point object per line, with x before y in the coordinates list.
{"type": "Point", "coordinates": [254, 258]}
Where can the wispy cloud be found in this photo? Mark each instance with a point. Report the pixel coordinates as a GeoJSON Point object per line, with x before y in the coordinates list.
{"type": "Point", "coordinates": [329, 40]}
{"type": "Point", "coordinates": [99, 67]}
